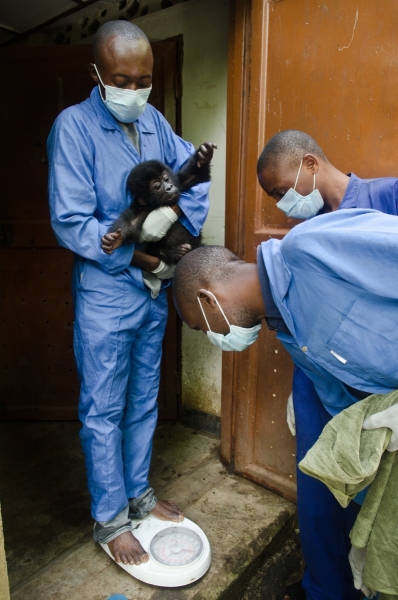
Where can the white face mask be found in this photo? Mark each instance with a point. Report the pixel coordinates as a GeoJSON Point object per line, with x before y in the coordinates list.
{"type": "Point", "coordinates": [238, 338]}
{"type": "Point", "coordinates": [125, 105]}
{"type": "Point", "coordinates": [297, 206]}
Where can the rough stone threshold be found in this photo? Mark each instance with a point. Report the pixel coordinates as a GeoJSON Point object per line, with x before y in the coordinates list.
{"type": "Point", "coordinates": [251, 532]}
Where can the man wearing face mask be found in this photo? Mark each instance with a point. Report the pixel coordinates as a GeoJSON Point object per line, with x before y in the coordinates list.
{"type": "Point", "coordinates": [119, 320]}
{"type": "Point", "coordinates": [294, 171]}
{"type": "Point", "coordinates": [329, 290]}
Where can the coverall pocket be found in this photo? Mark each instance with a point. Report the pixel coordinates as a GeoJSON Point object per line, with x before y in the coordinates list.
{"type": "Point", "coordinates": [367, 340]}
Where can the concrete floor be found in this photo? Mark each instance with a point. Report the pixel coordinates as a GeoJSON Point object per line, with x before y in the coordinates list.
{"type": "Point", "coordinates": [47, 523]}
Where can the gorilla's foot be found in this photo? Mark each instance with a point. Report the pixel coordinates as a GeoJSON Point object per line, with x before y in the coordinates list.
{"type": "Point", "coordinates": [167, 511]}
{"type": "Point", "coordinates": [126, 549]}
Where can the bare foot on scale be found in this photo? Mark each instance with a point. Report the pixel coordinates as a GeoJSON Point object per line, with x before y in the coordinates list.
{"type": "Point", "coordinates": [127, 549]}
{"type": "Point", "coordinates": [167, 511]}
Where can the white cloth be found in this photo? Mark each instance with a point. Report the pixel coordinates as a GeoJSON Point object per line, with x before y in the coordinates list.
{"type": "Point", "coordinates": [290, 416]}
{"type": "Point", "coordinates": [356, 559]}
{"type": "Point", "coordinates": [157, 224]}
{"type": "Point", "coordinates": [164, 271]}
{"type": "Point", "coordinates": [153, 279]}
{"type": "Point", "coordinates": [385, 418]}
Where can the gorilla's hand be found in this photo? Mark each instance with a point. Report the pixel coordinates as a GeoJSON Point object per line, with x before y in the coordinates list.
{"type": "Point", "coordinates": [204, 154]}
{"type": "Point", "coordinates": [111, 241]}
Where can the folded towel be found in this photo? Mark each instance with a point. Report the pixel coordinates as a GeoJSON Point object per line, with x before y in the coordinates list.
{"type": "Point", "coordinates": [347, 459]}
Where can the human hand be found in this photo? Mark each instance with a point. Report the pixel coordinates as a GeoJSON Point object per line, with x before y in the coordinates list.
{"type": "Point", "coordinates": [204, 154]}
{"type": "Point", "coordinates": [385, 418]}
{"type": "Point", "coordinates": [356, 558]}
{"type": "Point", "coordinates": [290, 416]}
{"type": "Point", "coordinates": [111, 241]}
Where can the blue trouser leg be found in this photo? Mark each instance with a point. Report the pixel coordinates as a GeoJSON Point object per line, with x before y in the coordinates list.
{"type": "Point", "coordinates": [324, 524]}
{"type": "Point", "coordinates": [114, 320]}
{"type": "Point", "coordinates": [141, 412]}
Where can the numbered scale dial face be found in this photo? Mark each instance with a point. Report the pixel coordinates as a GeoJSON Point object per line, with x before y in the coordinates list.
{"type": "Point", "coordinates": [176, 546]}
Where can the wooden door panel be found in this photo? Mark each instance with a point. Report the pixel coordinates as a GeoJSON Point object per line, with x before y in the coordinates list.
{"type": "Point", "coordinates": [38, 378]}
{"type": "Point", "coordinates": [38, 371]}
{"type": "Point", "coordinates": [332, 72]}
{"type": "Point", "coordinates": [257, 382]}
{"type": "Point", "coordinates": [329, 69]}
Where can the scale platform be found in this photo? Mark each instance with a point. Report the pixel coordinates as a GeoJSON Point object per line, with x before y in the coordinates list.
{"type": "Point", "coordinates": [179, 553]}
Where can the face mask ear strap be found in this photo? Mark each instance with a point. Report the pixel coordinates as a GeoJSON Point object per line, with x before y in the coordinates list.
{"type": "Point", "coordinates": [218, 304]}
{"type": "Point", "coordinates": [203, 313]}
{"type": "Point", "coordinates": [314, 183]}
{"type": "Point", "coordinates": [295, 183]}
{"type": "Point", "coordinates": [99, 77]}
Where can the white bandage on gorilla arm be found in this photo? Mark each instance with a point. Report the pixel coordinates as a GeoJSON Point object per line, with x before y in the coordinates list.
{"type": "Point", "coordinates": [164, 271]}
{"type": "Point", "coordinates": [157, 224]}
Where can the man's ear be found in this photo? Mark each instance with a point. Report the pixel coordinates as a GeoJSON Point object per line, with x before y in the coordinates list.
{"type": "Point", "coordinates": [311, 162]}
{"type": "Point", "coordinates": [141, 201]}
{"type": "Point", "coordinates": [207, 297]}
{"type": "Point", "coordinates": [93, 72]}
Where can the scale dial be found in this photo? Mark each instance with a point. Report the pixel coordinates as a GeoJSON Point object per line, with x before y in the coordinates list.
{"type": "Point", "coordinates": [176, 546]}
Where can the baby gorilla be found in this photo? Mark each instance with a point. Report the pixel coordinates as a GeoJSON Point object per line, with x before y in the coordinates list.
{"type": "Point", "coordinates": [153, 185]}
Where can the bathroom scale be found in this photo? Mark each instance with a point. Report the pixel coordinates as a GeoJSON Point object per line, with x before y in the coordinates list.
{"type": "Point", "coordinates": [179, 553]}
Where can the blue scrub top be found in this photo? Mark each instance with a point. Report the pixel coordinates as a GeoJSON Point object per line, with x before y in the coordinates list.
{"type": "Point", "coordinates": [90, 158]}
{"type": "Point", "coordinates": [333, 280]}
{"type": "Point", "coordinates": [379, 194]}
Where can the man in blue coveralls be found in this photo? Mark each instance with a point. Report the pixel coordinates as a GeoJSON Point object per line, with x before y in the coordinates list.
{"type": "Point", "coordinates": [120, 298]}
{"type": "Point", "coordinates": [329, 290]}
{"type": "Point", "coordinates": [292, 160]}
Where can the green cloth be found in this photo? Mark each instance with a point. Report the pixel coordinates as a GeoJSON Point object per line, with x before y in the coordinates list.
{"type": "Point", "coordinates": [347, 459]}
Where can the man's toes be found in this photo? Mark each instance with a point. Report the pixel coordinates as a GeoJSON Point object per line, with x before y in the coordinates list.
{"type": "Point", "coordinates": [144, 558]}
{"type": "Point", "coordinates": [137, 559]}
{"type": "Point", "coordinates": [175, 508]}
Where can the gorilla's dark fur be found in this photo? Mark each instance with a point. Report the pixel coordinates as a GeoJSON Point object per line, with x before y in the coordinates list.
{"type": "Point", "coordinates": [152, 184]}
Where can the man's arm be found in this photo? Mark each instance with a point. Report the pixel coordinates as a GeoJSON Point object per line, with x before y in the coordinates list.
{"type": "Point", "coordinates": [145, 261]}
{"type": "Point", "coordinates": [73, 199]}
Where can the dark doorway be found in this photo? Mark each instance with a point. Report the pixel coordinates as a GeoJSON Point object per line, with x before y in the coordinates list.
{"type": "Point", "coordinates": [38, 377]}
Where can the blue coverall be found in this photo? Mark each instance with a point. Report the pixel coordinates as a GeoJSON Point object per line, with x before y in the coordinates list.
{"type": "Point", "coordinates": [333, 283]}
{"type": "Point", "coordinates": [324, 524]}
{"type": "Point", "coordinates": [119, 327]}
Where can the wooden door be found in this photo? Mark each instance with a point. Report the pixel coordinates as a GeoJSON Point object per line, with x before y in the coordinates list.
{"type": "Point", "coordinates": [329, 69]}
{"type": "Point", "coordinates": [38, 378]}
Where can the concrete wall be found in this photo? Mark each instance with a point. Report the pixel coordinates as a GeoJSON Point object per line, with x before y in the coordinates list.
{"type": "Point", "coordinates": [4, 589]}
{"type": "Point", "coordinates": [204, 25]}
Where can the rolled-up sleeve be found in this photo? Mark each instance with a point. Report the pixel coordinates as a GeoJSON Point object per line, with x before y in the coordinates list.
{"type": "Point", "coordinates": [72, 196]}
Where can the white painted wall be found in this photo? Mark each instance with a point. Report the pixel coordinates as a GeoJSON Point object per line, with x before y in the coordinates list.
{"type": "Point", "coordinates": [204, 25]}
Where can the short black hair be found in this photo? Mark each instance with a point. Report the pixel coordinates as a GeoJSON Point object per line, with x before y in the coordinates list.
{"type": "Point", "coordinates": [119, 28]}
{"type": "Point", "coordinates": [199, 268]}
{"type": "Point", "coordinates": [288, 147]}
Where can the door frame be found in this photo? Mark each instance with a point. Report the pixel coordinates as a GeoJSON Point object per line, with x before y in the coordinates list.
{"type": "Point", "coordinates": [246, 121]}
